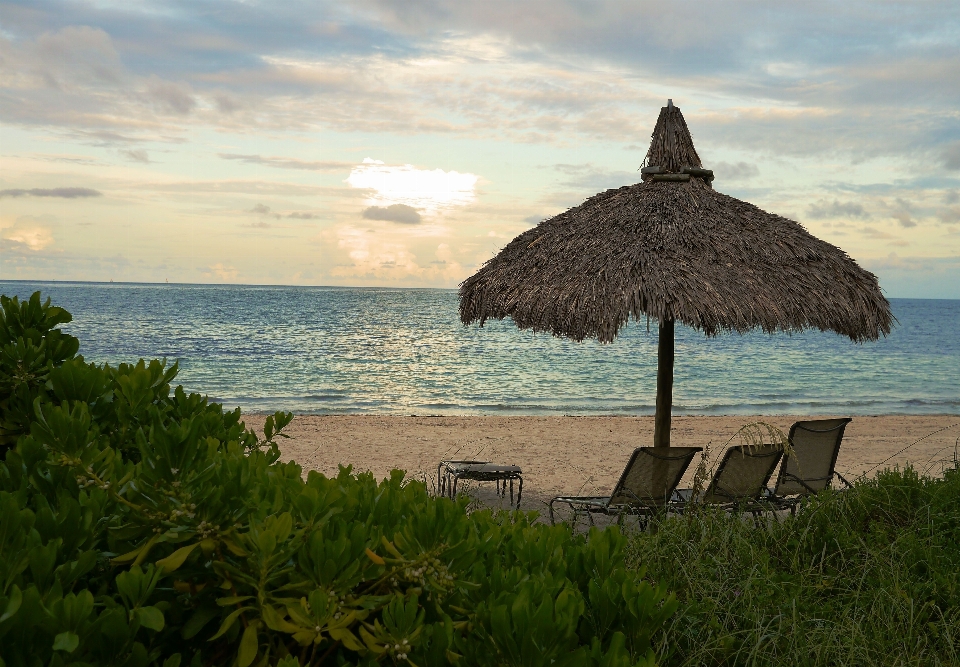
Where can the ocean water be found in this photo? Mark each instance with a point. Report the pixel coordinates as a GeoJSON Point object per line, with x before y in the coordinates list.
{"type": "Point", "coordinates": [403, 351]}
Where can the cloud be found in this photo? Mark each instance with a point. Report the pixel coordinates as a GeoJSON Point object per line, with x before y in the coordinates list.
{"type": "Point", "coordinates": [877, 235]}
{"type": "Point", "coordinates": [227, 103]}
{"type": "Point", "coordinates": [429, 189]}
{"type": "Point", "coordinates": [589, 178]}
{"type": "Point", "coordinates": [738, 171]}
{"type": "Point", "coordinates": [836, 209]}
{"type": "Point", "coordinates": [136, 155]}
{"type": "Point", "coordinates": [401, 213]}
{"type": "Point", "coordinates": [535, 219]}
{"type": "Point", "coordinates": [287, 163]}
{"type": "Point", "coordinates": [65, 193]}
{"type": "Point", "coordinates": [904, 219]}
{"type": "Point", "coordinates": [28, 233]}
{"type": "Point", "coordinates": [543, 72]}
{"type": "Point", "coordinates": [902, 213]}
{"type": "Point", "coordinates": [221, 272]}
{"type": "Point", "coordinates": [76, 55]}
{"type": "Point", "coordinates": [246, 187]}
{"type": "Point", "coordinates": [951, 156]}
{"type": "Point", "coordinates": [171, 97]}
{"type": "Point", "coordinates": [264, 210]}
{"type": "Point", "coordinates": [949, 215]}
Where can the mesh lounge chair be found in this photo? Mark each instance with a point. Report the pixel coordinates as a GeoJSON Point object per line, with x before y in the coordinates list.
{"type": "Point", "coordinates": [740, 479]}
{"type": "Point", "coordinates": [816, 445]}
{"type": "Point", "coordinates": [646, 485]}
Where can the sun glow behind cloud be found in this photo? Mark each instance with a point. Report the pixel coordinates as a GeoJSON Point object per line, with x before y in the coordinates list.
{"type": "Point", "coordinates": [428, 190]}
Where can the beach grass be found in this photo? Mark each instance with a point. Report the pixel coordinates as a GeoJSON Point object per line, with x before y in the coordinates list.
{"type": "Point", "coordinates": [867, 576]}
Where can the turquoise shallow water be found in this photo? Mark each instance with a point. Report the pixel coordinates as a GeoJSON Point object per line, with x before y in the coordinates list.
{"type": "Point", "coordinates": [393, 351]}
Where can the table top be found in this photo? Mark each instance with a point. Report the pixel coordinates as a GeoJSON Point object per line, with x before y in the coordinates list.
{"type": "Point", "coordinates": [461, 467]}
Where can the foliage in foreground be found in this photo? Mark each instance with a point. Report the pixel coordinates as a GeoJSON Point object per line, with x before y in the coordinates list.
{"type": "Point", "coordinates": [142, 526]}
{"type": "Point", "coordinates": [868, 576]}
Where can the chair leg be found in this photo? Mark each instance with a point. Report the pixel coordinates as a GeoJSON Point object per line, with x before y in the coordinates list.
{"type": "Point", "coordinates": [519, 492]}
{"type": "Point", "coordinates": [553, 521]}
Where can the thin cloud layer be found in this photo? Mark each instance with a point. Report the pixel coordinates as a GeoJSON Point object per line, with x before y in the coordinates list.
{"type": "Point", "coordinates": [288, 163]}
{"type": "Point", "coordinates": [63, 193]}
{"type": "Point", "coordinates": [401, 213]}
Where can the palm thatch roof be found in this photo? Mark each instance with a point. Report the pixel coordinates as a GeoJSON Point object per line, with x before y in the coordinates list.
{"type": "Point", "coordinates": [673, 248]}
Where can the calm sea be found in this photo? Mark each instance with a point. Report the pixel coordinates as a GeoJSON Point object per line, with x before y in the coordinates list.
{"type": "Point", "coordinates": [404, 351]}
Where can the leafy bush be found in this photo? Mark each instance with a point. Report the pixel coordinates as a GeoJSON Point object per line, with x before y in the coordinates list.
{"type": "Point", "coordinates": [140, 525]}
{"type": "Point", "coordinates": [867, 576]}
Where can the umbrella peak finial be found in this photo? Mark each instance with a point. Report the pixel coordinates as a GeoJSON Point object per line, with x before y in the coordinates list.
{"type": "Point", "coordinates": [671, 146]}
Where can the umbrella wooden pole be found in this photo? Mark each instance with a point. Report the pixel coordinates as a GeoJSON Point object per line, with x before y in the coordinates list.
{"type": "Point", "coordinates": [661, 423]}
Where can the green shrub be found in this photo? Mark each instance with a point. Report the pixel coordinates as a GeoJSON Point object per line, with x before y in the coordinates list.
{"type": "Point", "coordinates": [140, 525]}
{"type": "Point", "coordinates": [867, 576]}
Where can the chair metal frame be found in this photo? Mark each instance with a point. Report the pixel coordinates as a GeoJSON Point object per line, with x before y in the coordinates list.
{"type": "Point", "coordinates": [792, 500]}
{"type": "Point", "coordinates": [639, 507]}
{"type": "Point", "coordinates": [732, 500]}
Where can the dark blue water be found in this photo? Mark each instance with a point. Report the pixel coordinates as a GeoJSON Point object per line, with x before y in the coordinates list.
{"type": "Point", "coordinates": [393, 351]}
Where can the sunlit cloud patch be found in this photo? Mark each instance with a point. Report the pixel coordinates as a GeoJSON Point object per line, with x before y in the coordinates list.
{"type": "Point", "coordinates": [427, 190]}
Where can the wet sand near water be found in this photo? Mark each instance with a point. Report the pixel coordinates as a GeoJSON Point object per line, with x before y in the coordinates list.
{"type": "Point", "coordinates": [577, 455]}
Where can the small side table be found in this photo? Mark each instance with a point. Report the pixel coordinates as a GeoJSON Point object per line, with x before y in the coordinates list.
{"type": "Point", "coordinates": [451, 472]}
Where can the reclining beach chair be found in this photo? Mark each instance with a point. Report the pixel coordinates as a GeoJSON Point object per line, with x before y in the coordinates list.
{"type": "Point", "coordinates": [816, 445]}
{"type": "Point", "coordinates": [646, 485]}
{"type": "Point", "coordinates": [740, 480]}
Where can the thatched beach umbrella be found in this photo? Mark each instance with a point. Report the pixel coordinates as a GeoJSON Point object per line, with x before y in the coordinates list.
{"type": "Point", "coordinates": [673, 249]}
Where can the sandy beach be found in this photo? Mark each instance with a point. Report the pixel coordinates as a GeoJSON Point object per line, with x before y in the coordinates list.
{"type": "Point", "coordinates": [582, 455]}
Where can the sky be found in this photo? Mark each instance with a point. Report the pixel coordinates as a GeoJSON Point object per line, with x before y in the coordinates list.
{"type": "Point", "coordinates": [371, 143]}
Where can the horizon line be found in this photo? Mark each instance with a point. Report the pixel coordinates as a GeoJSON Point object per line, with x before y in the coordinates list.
{"type": "Point", "coordinates": [282, 285]}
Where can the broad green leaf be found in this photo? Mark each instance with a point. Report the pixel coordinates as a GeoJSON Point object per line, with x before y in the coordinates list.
{"type": "Point", "coordinates": [151, 617]}
{"type": "Point", "coordinates": [347, 638]}
{"type": "Point", "coordinates": [172, 562]}
{"type": "Point", "coordinates": [136, 554]}
{"type": "Point", "coordinates": [66, 641]}
{"type": "Point", "coordinates": [13, 604]}
{"type": "Point", "coordinates": [371, 641]}
{"type": "Point", "coordinates": [248, 646]}
{"type": "Point", "coordinates": [229, 621]}
{"type": "Point", "coordinates": [275, 621]}
{"type": "Point", "coordinates": [226, 602]}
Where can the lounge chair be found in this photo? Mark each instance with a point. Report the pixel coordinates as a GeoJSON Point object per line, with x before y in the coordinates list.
{"type": "Point", "coordinates": [646, 485]}
{"type": "Point", "coordinates": [816, 445]}
{"type": "Point", "coordinates": [740, 480]}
